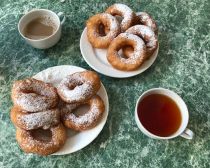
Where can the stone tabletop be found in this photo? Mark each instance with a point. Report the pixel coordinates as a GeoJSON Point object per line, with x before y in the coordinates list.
{"type": "Point", "coordinates": [183, 65]}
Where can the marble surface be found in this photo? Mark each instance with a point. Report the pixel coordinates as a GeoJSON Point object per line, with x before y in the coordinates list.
{"type": "Point", "coordinates": [183, 65]}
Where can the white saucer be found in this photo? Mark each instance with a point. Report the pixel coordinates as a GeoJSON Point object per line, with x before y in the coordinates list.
{"type": "Point", "coordinates": [75, 140]}
{"type": "Point", "coordinates": [96, 59]}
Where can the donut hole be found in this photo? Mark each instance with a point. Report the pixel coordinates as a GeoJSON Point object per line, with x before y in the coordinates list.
{"type": "Point", "coordinates": [73, 86]}
{"type": "Point", "coordinates": [145, 38]}
{"type": "Point", "coordinates": [125, 50]}
{"type": "Point", "coordinates": [81, 110]}
{"type": "Point", "coordinates": [31, 93]}
{"type": "Point", "coordinates": [119, 18]}
{"type": "Point", "coordinates": [122, 54]}
{"type": "Point", "coordinates": [118, 15]}
{"type": "Point", "coordinates": [103, 29]}
{"type": "Point", "coordinates": [28, 91]}
{"type": "Point", "coordinates": [42, 135]}
{"type": "Point", "coordinates": [35, 92]}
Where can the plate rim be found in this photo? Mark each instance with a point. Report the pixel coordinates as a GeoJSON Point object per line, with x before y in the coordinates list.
{"type": "Point", "coordinates": [106, 112]}
{"type": "Point", "coordinates": [111, 74]}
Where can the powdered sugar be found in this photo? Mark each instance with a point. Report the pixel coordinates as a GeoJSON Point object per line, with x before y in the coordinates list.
{"type": "Point", "coordinates": [44, 119]}
{"type": "Point", "coordinates": [83, 88]}
{"type": "Point", "coordinates": [86, 119]}
{"type": "Point", "coordinates": [144, 17]}
{"type": "Point", "coordinates": [32, 102]}
{"type": "Point", "coordinates": [36, 86]}
{"type": "Point", "coordinates": [79, 92]}
{"type": "Point", "coordinates": [127, 12]}
{"type": "Point", "coordinates": [112, 20]}
{"type": "Point", "coordinates": [33, 95]}
{"type": "Point", "coordinates": [29, 143]}
{"type": "Point", "coordinates": [147, 20]}
{"type": "Point", "coordinates": [146, 34]}
{"type": "Point", "coordinates": [138, 50]}
{"type": "Point", "coordinates": [68, 108]}
{"type": "Point", "coordinates": [112, 25]}
{"type": "Point", "coordinates": [124, 11]}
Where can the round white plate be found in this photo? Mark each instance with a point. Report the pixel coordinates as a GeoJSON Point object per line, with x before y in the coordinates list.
{"type": "Point", "coordinates": [75, 140]}
{"type": "Point", "coordinates": [96, 59]}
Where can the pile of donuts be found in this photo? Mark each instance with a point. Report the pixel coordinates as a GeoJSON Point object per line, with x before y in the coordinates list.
{"type": "Point", "coordinates": [121, 29]}
{"type": "Point", "coordinates": [41, 112]}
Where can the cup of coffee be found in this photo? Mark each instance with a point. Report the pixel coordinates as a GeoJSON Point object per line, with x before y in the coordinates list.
{"type": "Point", "coordinates": [41, 28]}
{"type": "Point", "coordinates": [162, 114]}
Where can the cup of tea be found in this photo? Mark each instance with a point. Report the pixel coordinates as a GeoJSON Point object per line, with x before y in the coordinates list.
{"type": "Point", "coordinates": [162, 114]}
{"type": "Point", "coordinates": [41, 28]}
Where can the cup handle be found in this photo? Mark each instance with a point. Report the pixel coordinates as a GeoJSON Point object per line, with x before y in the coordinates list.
{"type": "Point", "coordinates": [61, 15]}
{"type": "Point", "coordinates": [187, 134]}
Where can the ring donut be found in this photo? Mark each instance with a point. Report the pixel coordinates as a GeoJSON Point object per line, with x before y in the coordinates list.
{"type": "Point", "coordinates": [125, 12]}
{"type": "Point", "coordinates": [131, 63]}
{"type": "Point", "coordinates": [79, 87]}
{"type": "Point", "coordinates": [94, 26]}
{"type": "Point", "coordinates": [147, 35]}
{"type": "Point", "coordinates": [29, 143]}
{"type": "Point", "coordinates": [86, 121]}
{"type": "Point", "coordinates": [144, 18]}
{"type": "Point", "coordinates": [29, 121]}
{"type": "Point", "coordinates": [33, 95]}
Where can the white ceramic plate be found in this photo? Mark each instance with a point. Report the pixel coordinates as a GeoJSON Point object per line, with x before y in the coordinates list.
{"type": "Point", "coordinates": [96, 59]}
{"type": "Point", "coordinates": [75, 140]}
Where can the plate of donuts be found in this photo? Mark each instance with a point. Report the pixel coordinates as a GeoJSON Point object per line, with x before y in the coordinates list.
{"type": "Point", "coordinates": [76, 140]}
{"type": "Point", "coordinates": [119, 42]}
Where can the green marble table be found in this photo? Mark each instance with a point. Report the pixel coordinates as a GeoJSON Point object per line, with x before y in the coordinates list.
{"type": "Point", "coordinates": [183, 65]}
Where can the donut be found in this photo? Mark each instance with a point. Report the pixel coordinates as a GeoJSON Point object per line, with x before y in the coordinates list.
{"type": "Point", "coordinates": [30, 121]}
{"type": "Point", "coordinates": [147, 35]}
{"type": "Point", "coordinates": [125, 12]}
{"type": "Point", "coordinates": [86, 121]}
{"type": "Point", "coordinates": [79, 87]}
{"type": "Point", "coordinates": [144, 18]}
{"type": "Point", "coordinates": [97, 23]}
{"type": "Point", "coordinates": [33, 95]}
{"type": "Point", "coordinates": [30, 143]}
{"type": "Point", "coordinates": [131, 63]}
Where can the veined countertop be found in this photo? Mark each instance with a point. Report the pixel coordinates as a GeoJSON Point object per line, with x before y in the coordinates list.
{"type": "Point", "coordinates": [183, 65]}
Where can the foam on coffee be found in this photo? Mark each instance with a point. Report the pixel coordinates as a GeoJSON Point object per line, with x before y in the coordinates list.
{"type": "Point", "coordinates": [40, 28]}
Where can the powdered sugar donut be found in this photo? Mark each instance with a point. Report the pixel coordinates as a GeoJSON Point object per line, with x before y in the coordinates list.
{"type": "Point", "coordinates": [94, 24]}
{"type": "Point", "coordinates": [79, 87]}
{"type": "Point", "coordinates": [29, 121]}
{"type": "Point", "coordinates": [144, 18]}
{"type": "Point", "coordinates": [33, 95]}
{"type": "Point", "coordinates": [131, 63]}
{"type": "Point", "coordinates": [125, 12]}
{"type": "Point", "coordinates": [30, 143]}
{"type": "Point", "coordinates": [147, 35]}
{"type": "Point", "coordinates": [86, 121]}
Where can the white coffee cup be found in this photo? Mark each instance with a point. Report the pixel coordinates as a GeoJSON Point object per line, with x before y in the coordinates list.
{"type": "Point", "coordinates": [183, 131]}
{"type": "Point", "coordinates": [48, 41]}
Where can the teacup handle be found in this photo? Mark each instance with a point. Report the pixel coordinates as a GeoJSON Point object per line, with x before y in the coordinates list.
{"type": "Point", "coordinates": [187, 134]}
{"type": "Point", "coordinates": [61, 15]}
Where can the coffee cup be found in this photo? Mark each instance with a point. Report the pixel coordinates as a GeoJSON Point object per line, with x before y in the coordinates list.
{"type": "Point", "coordinates": [182, 130]}
{"type": "Point", "coordinates": [46, 41]}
